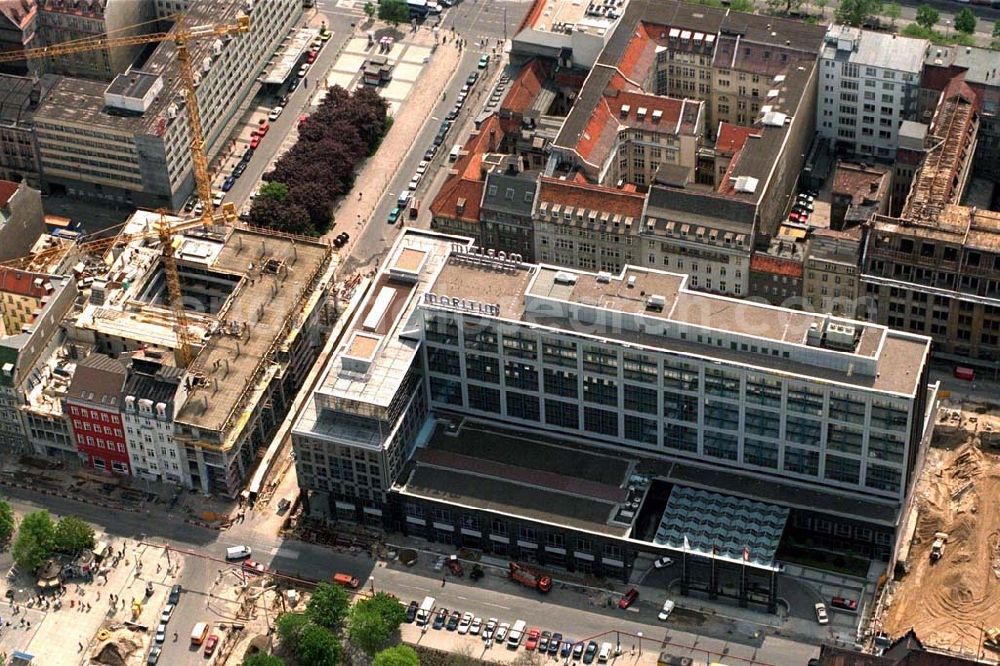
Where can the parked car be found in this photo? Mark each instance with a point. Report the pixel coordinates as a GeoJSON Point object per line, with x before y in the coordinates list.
{"type": "Point", "coordinates": [554, 642]}
{"type": "Point", "coordinates": [531, 640]}
{"type": "Point", "coordinates": [275, 113]}
{"type": "Point", "coordinates": [303, 69]}
{"type": "Point", "coordinates": [452, 114]}
{"type": "Point", "coordinates": [605, 654]}
{"type": "Point", "coordinates": [476, 626]}
{"type": "Point", "coordinates": [668, 608]}
{"type": "Point", "coordinates": [566, 649]}
{"type": "Point", "coordinates": [484, 60]}
{"type": "Point", "coordinates": [489, 629]}
{"type": "Point", "coordinates": [247, 155]}
{"type": "Point", "coordinates": [422, 167]}
{"type": "Point", "coordinates": [414, 182]}
{"type": "Point", "coordinates": [253, 566]}
{"type": "Point", "coordinates": [628, 598]}
{"type": "Point", "coordinates": [578, 650]}
{"type": "Point", "coordinates": [325, 35]}
{"type": "Point", "coordinates": [821, 615]}
{"type": "Point", "coordinates": [465, 622]}
{"type": "Point", "coordinates": [161, 633]}
{"type": "Point", "coordinates": [500, 635]}
{"type": "Point", "coordinates": [453, 620]}
{"type": "Point", "coordinates": [254, 142]}
{"type": "Point", "coordinates": [662, 562]}
{"type": "Point", "coordinates": [845, 604]}
{"type": "Point", "coordinates": [543, 641]}
{"type": "Point", "coordinates": [472, 78]}
{"type": "Point", "coordinates": [293, 84]}
{"type": "Point", "coordinates": [311, 56]}
{"type": "Point", "coordinates": [239, 169]}
{"type": "Point", "coordinates": [590, 653]}
{"type": "Point", "coordinates": [440, 618]}
{"type": "Point", "coordinates": [228, 183]}
{"type": "Point", "coordinates": [411, 612]}
{"type": "Point", "coordinates": [168, 610]}
{"type": "Point", "coordinates": [210, 644]}
{"type": "Point", "coordinates": [217, 198]}
{"type": "Point", "coordinates": [430, 152]}
{"type": "Point", "coordinates": [154, 655]}
{"type": "Point", "coordinates": [393, 217]}
{"type": "Point", "coordinates": [189, 204]}
{"type": "Point", "coordinates": [199, 208]}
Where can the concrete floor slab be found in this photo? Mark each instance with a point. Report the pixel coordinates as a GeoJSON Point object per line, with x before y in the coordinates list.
{"type": "Point", "coordinates": [416, 54]}
{"type": "Point", "coordinates": [397, 90]}
{"type": "Point", "coordinates": [357, 45]}
{"type": "Point", "coordinates": [349, 62]}
{"type": "Point", "coordinates": [342, 79]}
{"type": "Point", "coordinates": [407, 71]}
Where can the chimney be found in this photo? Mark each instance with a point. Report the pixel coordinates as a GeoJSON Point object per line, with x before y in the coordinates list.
{"type": "Point", "coordinates": [493, 140]}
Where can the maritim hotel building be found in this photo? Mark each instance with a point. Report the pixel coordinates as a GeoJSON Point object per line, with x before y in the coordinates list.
{"type": "Point", "coordinates": [584, 420]}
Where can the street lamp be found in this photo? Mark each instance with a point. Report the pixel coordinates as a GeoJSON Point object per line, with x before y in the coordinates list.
{"type": "Point", "coordinates": [371, 583]}
{"type": "Point", "coordinates": [639, 634]}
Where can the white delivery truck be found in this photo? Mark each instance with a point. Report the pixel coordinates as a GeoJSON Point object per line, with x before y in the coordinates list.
{"type": "Point", "coordinates": [424, 612]}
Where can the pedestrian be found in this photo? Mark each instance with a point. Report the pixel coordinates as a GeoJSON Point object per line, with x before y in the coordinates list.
{"type": "Point", "coordinates": [79, 647]}
{"type": "Point", "coordinates": [443, 579]}
{"type": "Point", "coordinates": [98, 595]}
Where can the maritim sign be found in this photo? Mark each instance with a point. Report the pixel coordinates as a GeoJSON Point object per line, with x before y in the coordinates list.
{"type": "Point", "coordinates": [462, 304]}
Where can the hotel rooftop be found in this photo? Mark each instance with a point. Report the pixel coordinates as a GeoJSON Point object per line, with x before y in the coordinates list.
{"type": "Point", "coordinates": [655, 309]}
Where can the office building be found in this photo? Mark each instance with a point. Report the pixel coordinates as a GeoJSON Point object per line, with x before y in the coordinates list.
{"type": "Point", "coordinates": [559, 398]}
{"type": "Point", "coordinates": [152, 393]}
{"type": "Point", "coordinates": [869, 83]}
{"type": "Point", "coordinates": [127, 142]}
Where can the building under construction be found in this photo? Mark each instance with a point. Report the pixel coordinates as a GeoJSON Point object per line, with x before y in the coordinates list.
{"type": "Point", "coordinates": [936, 268]}
{"type": "Point", "coordinates": [255, 309]}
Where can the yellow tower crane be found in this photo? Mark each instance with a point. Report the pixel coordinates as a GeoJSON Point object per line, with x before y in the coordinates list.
{"type": "Point", "coordinates": [181, 36]}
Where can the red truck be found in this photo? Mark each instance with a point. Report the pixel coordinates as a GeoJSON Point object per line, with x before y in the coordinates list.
{"type": "Point", "coordinates": [529, 578]}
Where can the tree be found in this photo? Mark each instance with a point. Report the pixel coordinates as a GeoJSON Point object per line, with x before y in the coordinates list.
{"type": "Point", "coordinates": [289, 626]}
{"type": "Point", "coordinates": [262, 659]}
{"type": "Point", "coordinates": [892, 12]}
{"type": "Point", "coordinates": [286, 217]}
{"type": "Point", "coordinates": [73, 534]}
{"type": "Point", "coordinates": [394, 12]}
{"type": "Point", "coordinates": [927, 16]}
{"type": "Point", "coordinates": [316, 646]}
{"type": "Point", "coordinates": [328, 606]}
{"type": "Point", "coordinates": [784, 5]}
{"type": "Point", "coordinates": [369, 10]}
{"type": "Point", "coordinates": [35, 541]}
{"type": "Point", "coordinates": [965, 21]}
{"type": "Point", "coordinates": [274, 190]}
{"type": "Point", "coordinates": [745, 6]}
{"type": "Point", "coordinates": [7, 522]}
{"type": "Point", "coordinates": [374, 620]}
{"type": "Point", "coordinates": [399, 655]}
{"type": "Point", "coordinates": [822, 7]}
{"type": "Point", "coordinates": [858, 12]}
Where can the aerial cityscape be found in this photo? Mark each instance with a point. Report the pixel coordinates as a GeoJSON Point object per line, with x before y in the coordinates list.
{"type": "Point", "coordinates": [453, 332]}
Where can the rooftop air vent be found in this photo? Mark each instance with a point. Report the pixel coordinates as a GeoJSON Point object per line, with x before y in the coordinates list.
{"type": "Point", "coordinates": [746, 184]}
{"type": "Point", "coordinates": [604, 277]}
{"type": "Point", "coordinates": [656, 302]}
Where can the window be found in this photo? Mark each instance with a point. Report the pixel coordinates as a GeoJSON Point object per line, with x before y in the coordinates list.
{"type": "Point", "coordinates": [561, 413]}
{"type": "Point", "coordinates": [641, 430]}
{"type": "Point", "coordinates": [801, 461]}
{"type": "Point", "coordinates": [842, 469]}
{"type": "Point", "coordinates": [600, 421]}
{"type": "Point", "coordinates": [523, 406]}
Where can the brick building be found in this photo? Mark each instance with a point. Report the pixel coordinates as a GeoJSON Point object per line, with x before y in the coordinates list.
{"type": "Point", "coordinates": [94, 403]}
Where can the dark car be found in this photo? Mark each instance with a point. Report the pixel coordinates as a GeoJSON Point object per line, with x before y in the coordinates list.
{"type": "Point", "coordinates": [430, 153]}
{"type": "Point", "coordinates": [411, 612]}
{"type": "Point", "coordinates": [566, 649]}
{"type": "Point", "coordinates": [189, 206]}
{"type": "Point", "coordinates": [453, 620]}
{"type": "Point", "coordinates": [473, 77]}
{"type": "Point", "coordinates": [543, 642]}
{"type": "Point", "coordinates": [175, 595]}
{"type": "Point", "coordinates": [438, 140]}
{"type": "Point", "coordinates": [628, 598]}
{"type": "Point", "coordinates": [440, 618]}
{"type": "Point", "coordinates": [452, 114]}
{"type": "Point", "coordinates": [228, 183]}
{"type": "Point", "coordinates": [293, 85]}
{"type": "Point", "coordinates": [446, 126]}
{"type": "Point", "coordinates": [247, 155]}
{"type": "Point", "coordinates": [554, 642]}
{"type": "Point", "coordinates": [844, 603]}
{"type": "Point", "coordinates": [282, 101]}
{"type": "Point", "coordinates": [239, 169]}
{"type": "Point", "coordinates": [590, 652]}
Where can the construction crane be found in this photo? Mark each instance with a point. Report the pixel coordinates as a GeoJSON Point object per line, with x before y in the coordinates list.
{"type": "Point", "coordinates": [182, 37]}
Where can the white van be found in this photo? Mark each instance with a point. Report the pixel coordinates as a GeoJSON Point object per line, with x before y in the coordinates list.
{"type": "Point", "coordinates": [238, 553]}
{"type": "Point", "coordinates": [424, 612]}
{"type": "Point", "coordinates": [605, 653]}
{"type": "Point", "coordinates": [453, 155]}
{"type": "Point", "coordinates": [516, 634]}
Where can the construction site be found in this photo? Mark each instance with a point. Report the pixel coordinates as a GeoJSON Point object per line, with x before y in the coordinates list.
{"type": "Point", "coordinates": [947, 587]}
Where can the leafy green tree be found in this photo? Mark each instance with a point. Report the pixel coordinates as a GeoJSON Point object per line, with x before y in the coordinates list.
{"type": "Point", "coordinates": [328, 606]}
{"type": "Point", "coordinates": [892, 12]}
{"type": "Point", "coordinates": [7, 522]}
{"type": "Point", "coordinates": [73, 534]}
{"type": "Point", "coordinates": [369, 10]}
{"type": "Point", "coordinates": [375, 620]}
{"type": "Point", "coordinates": [289, 626]}
{"type": "Point", "coordinates": [745, 6]}
{"type": "Point", "coordinates": [927, 17]}
{"type": "Point", "coordinates": [858, 12]}
{"type": "Point", "coordinates": [399, 655]}
{"type": "Point", "coordinates": [262, 659]}
{"type": "Point", "coordinates": [965, 21]}
{"type": "Point", "coordinates": [822, 6]}
{"type": "Point", "coordinates": [276, 191]}
{"type": "Point", "coordinates": [35, 541]}
{"type": "Point", "coordinates": [394, 12]}
{"type": "Point", "coordinates": [784, 5]}
{"type": "Point", "coordinates": [316, 646]}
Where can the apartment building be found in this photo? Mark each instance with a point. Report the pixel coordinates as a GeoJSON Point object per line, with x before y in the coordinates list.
{"type": "Point", "coordinates": [32, 306]}
{"type": "Point", "coordinates": [69, 20]}
{"type": "Point", "coordinates": [506, 209]}
{"type": "Point", "coordinates": [859, 192]}
{"type": "Point", "coordinates": [152, 393]}
{"type": "Point", "coordinates": [869, 84]}
{"type": "Point", "coordinates": [93, 404]}
{"type": "Point", "coordinates": [831, 272]}
{"type": "Point", "coordinates": [18, 25]}
{"type": "Point", "coordinates": [776, 272]}
{"type": "Point", "coordinates": [19, 97]}
{"type": "Point", "coordinates": [587, 226]}
{"type": "Point", "coordinates": [127, 141]}
{"type": "Point", "coordinates": [22, 220]}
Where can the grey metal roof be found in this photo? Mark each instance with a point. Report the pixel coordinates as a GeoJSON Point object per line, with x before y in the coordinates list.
{"type": "Point", "coordinates": [699, 202]}
{"type": "Point", "coordinates": [507, 193]}
{"type": "Point", "coordinates": [876, 49]}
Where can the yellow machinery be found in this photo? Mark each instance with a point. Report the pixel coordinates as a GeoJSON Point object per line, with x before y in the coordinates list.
{"type": "Point", "coordinates": [181, 36]}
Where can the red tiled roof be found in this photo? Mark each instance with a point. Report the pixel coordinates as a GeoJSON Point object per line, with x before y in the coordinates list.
{"type": "Point", "coordinates": [732, 137]}
{"type": "Point", "coordinates": [857, 181]}
{"type": "Point", "coordinates": [7, 190]}
{"type": "Point", "coordinates": [22, 283]}
{"type": "Point", "coordinates": [467, 183]}
{"type": "Point", "coordinates": [639, 55]}
{"type": "Point", "coordinates": [525, 87]}
{"type": "Point", "coordinates": [591, 197]}
{"type": "Point", "coordinates": [765, 263]}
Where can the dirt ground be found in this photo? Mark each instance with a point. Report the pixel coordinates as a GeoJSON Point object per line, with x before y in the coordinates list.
{"type": "Point", "coordinates": [948, 603]}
